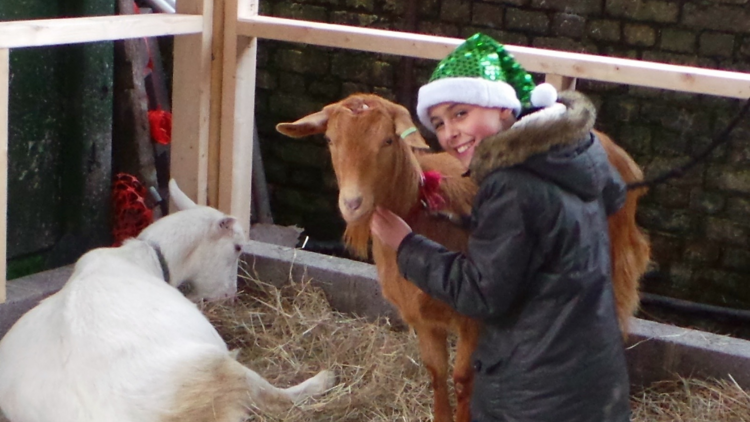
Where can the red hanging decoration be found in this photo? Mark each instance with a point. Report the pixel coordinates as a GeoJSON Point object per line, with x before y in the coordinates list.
{"type": "Point", "coordinates": [161, 126]}
{"type": "Point", "coordinates": [131, 214]}
{"type": "Point", "coordinates": [429, 191]}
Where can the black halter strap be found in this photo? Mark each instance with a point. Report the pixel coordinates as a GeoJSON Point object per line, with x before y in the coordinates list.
{"type": "Point", "coordinates": [162, 261]}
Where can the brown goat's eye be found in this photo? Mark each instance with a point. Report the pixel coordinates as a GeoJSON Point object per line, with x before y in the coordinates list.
{"type": "Point", "coordinates": [388, 141]}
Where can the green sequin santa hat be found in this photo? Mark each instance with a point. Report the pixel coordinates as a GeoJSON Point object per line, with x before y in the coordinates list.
{"type": "Point", "coordinates": [481, 72]}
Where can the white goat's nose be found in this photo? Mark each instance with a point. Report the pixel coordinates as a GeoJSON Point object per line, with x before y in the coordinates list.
{"type": "Point", "coordinates": [353, 204]}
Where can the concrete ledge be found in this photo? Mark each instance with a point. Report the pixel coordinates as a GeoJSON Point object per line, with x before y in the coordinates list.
{"type": "Point", "coordinates": [350, 286]}
{"type": "Point", "coordinates": [24, 293]}
{"type": "Point", "coordinates": [659, 351]}
{"type": "Point", "coordinates": [654, 351]}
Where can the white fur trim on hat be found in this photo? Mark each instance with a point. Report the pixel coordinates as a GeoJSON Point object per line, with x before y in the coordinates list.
{"type": "Point", "coordinates": [476, 91]}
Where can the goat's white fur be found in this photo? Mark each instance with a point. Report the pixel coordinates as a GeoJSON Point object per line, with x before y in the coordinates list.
{"type": "Point", "coordinates": [117, 343]}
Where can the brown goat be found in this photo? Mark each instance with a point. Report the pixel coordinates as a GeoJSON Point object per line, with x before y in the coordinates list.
{"type": "Point", "coordinates": [374, 166]}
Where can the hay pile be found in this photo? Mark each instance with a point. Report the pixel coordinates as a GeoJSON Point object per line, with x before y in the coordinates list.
{"type": "Point", "coordinates": [289, 334]}
{"type": "Point", "coordinates": [691, 400]}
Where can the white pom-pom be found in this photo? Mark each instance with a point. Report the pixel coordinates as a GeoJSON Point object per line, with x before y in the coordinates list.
{"type": "Point", "coordinates": [544, 95]}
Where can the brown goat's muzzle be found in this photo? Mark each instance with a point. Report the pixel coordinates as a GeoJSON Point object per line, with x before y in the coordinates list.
{"type": "Point", "coordinates": [354, 205]}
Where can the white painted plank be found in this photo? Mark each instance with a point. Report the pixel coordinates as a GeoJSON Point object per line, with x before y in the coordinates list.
{"type": "Point", "coordinates": [41, 32]}
{"type": "Point", "coordinates": [574, 65]}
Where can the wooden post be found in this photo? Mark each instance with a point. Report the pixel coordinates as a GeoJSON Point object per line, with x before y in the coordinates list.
{"type": "Point", "coordinates": [217, 71]}
{"type": "Point", "coordinates": [4, 85]}
{"type": "Point", "coordinates": [132, 147]}
{"type": "Point", "coordinates": [562, 83]}
{"type": "Point", "coordinates": [237, 113]}
{"type": "Point", "coordinates": [191, 104]}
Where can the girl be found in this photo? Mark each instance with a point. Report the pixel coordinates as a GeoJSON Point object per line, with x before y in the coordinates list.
{"type": "Point", "coordinates": [537, 271]}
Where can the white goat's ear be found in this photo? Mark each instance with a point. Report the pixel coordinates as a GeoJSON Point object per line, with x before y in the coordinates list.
{"type": "Point", "coordinates": [182, 201]}
{"type": "Point", "coordinates": [403, 122]}
{"type": "Point", "coordinates": [309, 125]}
{"type": "Point", "coordinates": [226, 224]}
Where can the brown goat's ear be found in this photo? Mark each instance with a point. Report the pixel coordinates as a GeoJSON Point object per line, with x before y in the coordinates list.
{"type": "Point", "coordinates": [403, 122]}
{"type": "Point", "coordinates": [416, 141]}
{"type": "Point", "coordinates": [309, 125]}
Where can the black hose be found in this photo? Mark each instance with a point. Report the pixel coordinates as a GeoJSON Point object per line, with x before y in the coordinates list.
{"type": "Point", "coordinates": [679, 171]}
{"type": "Point", "coordinates": [695, 308]}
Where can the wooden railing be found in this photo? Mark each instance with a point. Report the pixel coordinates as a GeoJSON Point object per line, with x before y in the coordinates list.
{"type": "Point", "coordinates": [192, 24]}
{"type": "Point", "coordinates": [213, 101]}
{"type": "Point", "coordinates": [560, 63]}
{"type": "Point", "coordinates": [44, 32]}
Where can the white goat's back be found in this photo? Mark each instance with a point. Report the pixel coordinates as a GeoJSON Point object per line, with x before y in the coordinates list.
{"type": "Point", "coordinates": [115, 335]}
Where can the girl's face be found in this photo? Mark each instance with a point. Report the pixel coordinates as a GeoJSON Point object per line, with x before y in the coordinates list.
{"type": "Point", "coordinates": [461, 127]}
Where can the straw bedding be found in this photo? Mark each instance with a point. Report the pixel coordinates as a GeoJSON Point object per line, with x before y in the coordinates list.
{"type": "Point", "coordinates": [291, 333]}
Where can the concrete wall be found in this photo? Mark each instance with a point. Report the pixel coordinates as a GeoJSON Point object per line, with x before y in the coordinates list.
{"type": "Point", "coordinates": [699, 223]}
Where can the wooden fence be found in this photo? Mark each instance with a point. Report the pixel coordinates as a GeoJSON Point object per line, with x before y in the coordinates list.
{"type": "Point", "coordinates": [213, 100]}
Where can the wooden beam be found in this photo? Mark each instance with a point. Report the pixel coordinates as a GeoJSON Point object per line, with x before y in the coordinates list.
{"type": "Point", "coordinates": [4, 85]}
{"type": "Point", "coordinates": [561, 83]}
{"type": "Point", "coordinates": [191, 94]}
{"type": "Point", "coordinates": [237, 114]}
{"type": "Point", "coordinates": [575, 65]}
{"type": "Point", "coordinates": [36, 33]}
{"type": "Point", "coordinates": [344, 36]}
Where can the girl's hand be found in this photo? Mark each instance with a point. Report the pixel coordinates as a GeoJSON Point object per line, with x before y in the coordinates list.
{"type": "Point", "coordinates": [388, 227]}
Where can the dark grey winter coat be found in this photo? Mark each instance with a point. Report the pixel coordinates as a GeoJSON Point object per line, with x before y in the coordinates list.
{"type": "Point", "coordinates": [537, 273]}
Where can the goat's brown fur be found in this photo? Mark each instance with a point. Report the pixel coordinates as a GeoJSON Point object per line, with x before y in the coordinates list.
{"type": "Point", "coordinates": [630, 249]}
{"type": "Point", "coordinates": [373, 167]}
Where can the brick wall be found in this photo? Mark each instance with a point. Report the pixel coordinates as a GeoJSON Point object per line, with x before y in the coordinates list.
{"type": "Point", "coordinates": [699, 224]}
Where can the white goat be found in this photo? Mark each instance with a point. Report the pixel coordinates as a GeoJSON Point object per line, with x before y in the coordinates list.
{"type": "Point", "coordinates": [117, 343]}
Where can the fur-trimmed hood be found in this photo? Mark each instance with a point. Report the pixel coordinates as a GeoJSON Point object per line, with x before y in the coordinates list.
{"type": "Point", "coordinates": [555, 142]}
{"type": "Point", "coordinates": [565, 123]}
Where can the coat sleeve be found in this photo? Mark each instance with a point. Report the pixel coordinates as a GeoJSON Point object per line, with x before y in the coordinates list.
{"type": "Point", "coordinates": [484, 282]}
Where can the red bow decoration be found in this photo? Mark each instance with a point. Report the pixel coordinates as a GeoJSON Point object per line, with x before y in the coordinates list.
{"type": "Point", "coordinates": [131, 215]}
{"type": "Point", "coordinates": [429, 191]}
{"type": "Point", "coordinates": [161, 126]}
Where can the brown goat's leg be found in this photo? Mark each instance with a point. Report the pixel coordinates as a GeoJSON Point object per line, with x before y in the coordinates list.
{"type": "Point", "coordinates": [433, 348]}
{"type": "Point", "coordinates": [463, 373]}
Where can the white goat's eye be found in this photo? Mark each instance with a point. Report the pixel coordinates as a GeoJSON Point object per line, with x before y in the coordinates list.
{"type": "Point", "coordinates": [238, 248]}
